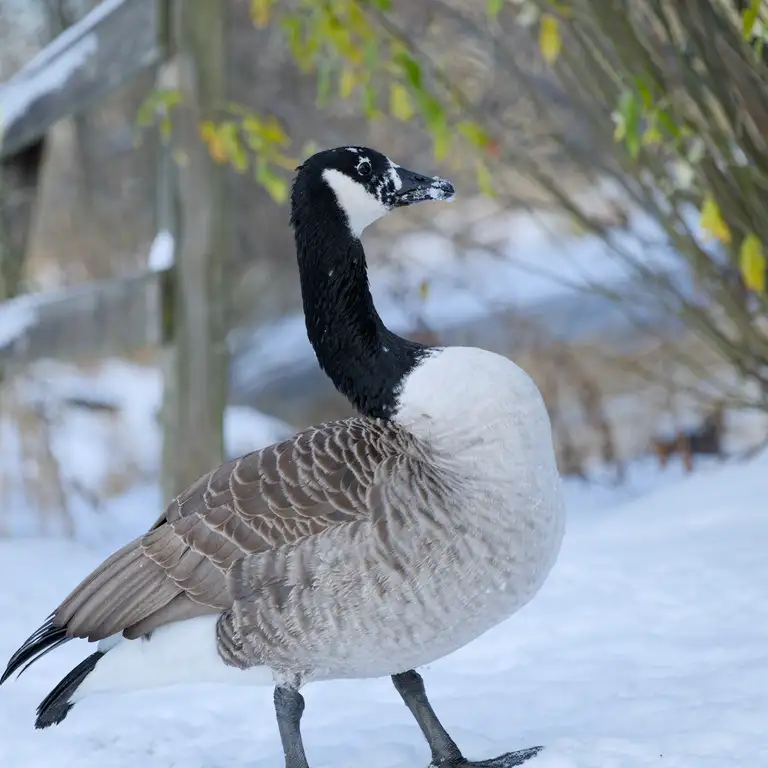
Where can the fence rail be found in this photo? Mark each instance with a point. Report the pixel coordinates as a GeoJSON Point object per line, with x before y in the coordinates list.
{"type": "Point", "coordinates": [113, 43]}
{"type": "Point", "coordinates": [99, 319]}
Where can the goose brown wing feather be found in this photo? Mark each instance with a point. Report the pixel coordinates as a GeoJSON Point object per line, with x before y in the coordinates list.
{"type": "Point", "coordinates": [319, 479]}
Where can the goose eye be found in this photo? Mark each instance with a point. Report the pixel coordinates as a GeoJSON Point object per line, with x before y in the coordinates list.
{"type": "Point", "coordinates": [364, 169]}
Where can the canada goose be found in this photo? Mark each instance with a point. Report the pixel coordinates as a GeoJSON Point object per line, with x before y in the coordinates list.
{"type": "Point", "coordinates": [363, 547]}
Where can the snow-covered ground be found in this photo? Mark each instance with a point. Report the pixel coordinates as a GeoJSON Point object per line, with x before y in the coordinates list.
{"type": "Point", "coordinates": [648, 646]}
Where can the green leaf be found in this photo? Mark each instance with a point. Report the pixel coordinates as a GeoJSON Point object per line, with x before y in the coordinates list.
{"type": "Point", "coordinates": [400, 104]}
{"type": "Point", "coordinates": [292, 30]}
{"type": "Point", "coordinates": [252, 131]}
{"type": "Point", "coordinates": [436, 124]}
{"type": "Point", "coordinates": [431, 109]}
{"type": "Point", "coordinates": [748, 19]}
{"type": "Point", "coordinates": [410, 67]}
{"type": "Point", "coordinates": [347, 82]}
{"type": "Point", "coordinates": [667, 123]}
{"type": "Point", "coordinates": [371, 53]}
{"type": "Point", "coordinates": [232, 146]}
{"type": "Point", "coordinates": [628, 127]}
{"type": "Point", "coordinates": [369, 102]}
{"type": "Point", "coordinates": [550, 41]}
{"type": "Point", "coordinates": [323, 83]}
{"type": "Point", "coordinates": [441, 141]}
{"type": "Point", "coordinates": [493, 7]}
{"type": "Point", "coordinates": [752, 263]}
{"type": "Point", "coordinates": [276, 186]}
{"type": "Point", "coordinates": [644, 91]}
{"type": "Point", "coordinates": [304, 47]}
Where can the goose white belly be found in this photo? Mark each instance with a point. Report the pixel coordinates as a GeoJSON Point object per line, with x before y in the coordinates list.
{"type": "Point", "coordinates": [431, 583]}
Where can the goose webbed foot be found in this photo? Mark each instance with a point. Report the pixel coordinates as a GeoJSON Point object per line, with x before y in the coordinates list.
{"type": "Point", "coordinates": [445, 753]}
{"type": "Point", "coordinates": [507, 760]}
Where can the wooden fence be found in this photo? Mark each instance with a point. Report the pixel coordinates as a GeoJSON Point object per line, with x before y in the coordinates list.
{"type": "Point", "coordinates": [182, 307]}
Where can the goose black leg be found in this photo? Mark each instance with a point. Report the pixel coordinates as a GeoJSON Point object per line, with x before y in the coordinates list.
{"type": "Point", "coordinates": [289, 707]}
{"type": "Point", "coordinates": [445, 753]}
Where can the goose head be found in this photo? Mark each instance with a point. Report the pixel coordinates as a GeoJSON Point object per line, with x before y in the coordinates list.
{"type": "Point", "coordinates": [362, 184]}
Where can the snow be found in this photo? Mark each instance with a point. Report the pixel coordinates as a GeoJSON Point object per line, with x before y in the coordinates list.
{"type": "Point", "coordinates": [38, 78]}
{"type": "Point", "coordinates": [246, 429]}
{"type": "Point", "coordinates": [646, 647]}
{"type": "Point", "coordinates": [74, 34]}
{"type": "Point", "coordinates": [52, 67]}
{"type": "Point", "coordinates": [16, 317]}
{"type": "Point", "coordinates": [161, 253]}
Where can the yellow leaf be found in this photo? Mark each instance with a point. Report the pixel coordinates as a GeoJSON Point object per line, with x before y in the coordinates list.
{"type": "Point", "coordinates": [484, 179]}
{"type": "Point", "coordinates": [712, 222]}
{"type": "Point", "coordinates": [347, 82]}
{"type": "Point", "coordinates": [207, 131]}
{"type": "Point", "coordinates": [424, 289]}
{"type": "Point", "coordinates": [550, 41]}
{"type": "Point", "coordinates": [260, 12]}
{"type": "Point", "coordinates": [752, 263]}
{"type": "Point", "coordinates": [212, 137]}
{"type": "Point", "coordinates": [400, 104]}
{"type": "Point", "coordinates": [273, 132]}
{"type": "Point", "coordinates": [356, 19]}
{"type": "Point", "coordinates": [652, 135]}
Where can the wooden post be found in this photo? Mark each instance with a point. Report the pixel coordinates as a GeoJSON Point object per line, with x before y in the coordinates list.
{"type": "Point", "coordinates": [197, 369]}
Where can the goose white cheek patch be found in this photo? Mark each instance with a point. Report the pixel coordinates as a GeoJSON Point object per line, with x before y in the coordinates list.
{"type": "Point", "coordinates": [360, 206]}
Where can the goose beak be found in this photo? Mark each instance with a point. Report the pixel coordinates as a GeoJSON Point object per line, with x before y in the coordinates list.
{"type": "Point", "coordinates": [414, 188]}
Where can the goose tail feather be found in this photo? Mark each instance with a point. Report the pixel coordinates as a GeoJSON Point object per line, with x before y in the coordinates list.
{"type": "Point", "coordinates": [44, 640]}
{"type": "Point", "coordinates": [56, 705]}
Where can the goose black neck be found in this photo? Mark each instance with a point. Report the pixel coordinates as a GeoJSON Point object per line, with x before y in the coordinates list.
{"type": "Point", "coordinates": [364, 359]}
